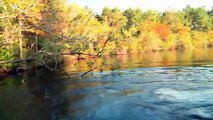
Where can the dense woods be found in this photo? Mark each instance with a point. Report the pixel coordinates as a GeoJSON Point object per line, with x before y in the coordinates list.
{"type": "Point", "coordinates": [45, 30]}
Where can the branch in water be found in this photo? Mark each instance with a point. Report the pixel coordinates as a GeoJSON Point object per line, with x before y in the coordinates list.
{"type": "Point", "coordinates": [89, 71]}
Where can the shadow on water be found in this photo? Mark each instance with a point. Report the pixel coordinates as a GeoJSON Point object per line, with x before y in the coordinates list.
{"type": "Point", "coordinates": [35, 95]}
{"type": "Point", "coordinates": [47, 90]}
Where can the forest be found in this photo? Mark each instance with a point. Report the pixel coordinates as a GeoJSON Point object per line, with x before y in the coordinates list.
{"type": "Point", "coordinates": [44, 31]}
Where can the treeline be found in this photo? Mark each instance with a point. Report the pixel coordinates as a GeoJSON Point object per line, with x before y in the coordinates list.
{"type": "Point", "coordinates": [154, 31]}
{"type": "Point", "coordinates": [45, 30]}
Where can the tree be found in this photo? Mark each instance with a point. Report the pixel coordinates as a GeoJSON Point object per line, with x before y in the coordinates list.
{"type": "Point", "coordinates": [114, 18]}
{"type": "Point", "coordinates": [173, 19]}
{"type": "Point", "coordinates": [135, 17]}
{"type": "Point", "coordinates": [210, 13]}
{"type": "Point", "coordinates": [151, 15]}
{"type": "Point", "coordinates": [201, 20]}
{"type": "Point", "coordinates": [189, 16]}
{"type": "Point", "coordinates": [198, 18]}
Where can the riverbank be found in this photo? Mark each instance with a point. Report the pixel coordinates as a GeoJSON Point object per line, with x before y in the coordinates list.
{"type": "Point", "coordinates": [86, 62]}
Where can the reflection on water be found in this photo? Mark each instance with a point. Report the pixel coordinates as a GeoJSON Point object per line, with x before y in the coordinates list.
{"type": "Point", "coordinates": [163, 59]}
{"type": "Point", "coordinates": [159, 86]}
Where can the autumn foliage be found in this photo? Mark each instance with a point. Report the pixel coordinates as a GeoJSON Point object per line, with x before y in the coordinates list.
{"type": "Point", "coordinates": [162, 30]}
{"type": "Point", "coordinates": [44, 30]}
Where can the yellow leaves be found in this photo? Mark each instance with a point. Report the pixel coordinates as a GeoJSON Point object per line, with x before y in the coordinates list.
{"type": "Point", "coordinates": [36, 31]}
{"type": "Point", "coordinates": [133, 46]}
{"type": "Point", "coordinates": [146, 26]}
{"type": "Point", "coordinates": [131, 32]}
{"type": "Point", "coordinates": [67, 46]}
{"type": "Point", "coordinates": [170, 44]}
{"type": "Point", "coordinates": [12, 1]}
{"type": "Point", "coordinates": [183, 30]}
{"type": "Point", "coordinates": [20, 4]}
{"type": "Point", "coordinates": [198, 35]}
{"type": "Point", "coordinates": [210, 36]}
{"type": "Point", "coordinates": [111, 46]}
{"type": "Point", "coordinates": [151, 41]}
{"type": "Point", "coordinates": [94, 28]}
{"type": "Point", "coordinates": [37, 10]}
{"type": "Point", "coordinates": [186, 40]}
{"type": "Point", "coordinates": [200, 39]}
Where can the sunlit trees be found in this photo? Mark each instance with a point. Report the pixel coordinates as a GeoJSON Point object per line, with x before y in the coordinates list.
{"type": "Point", "coordinates": [8, 33]}
{"type": "Point", "coordinates": [199, 41]}
{"type": "Point", "coordinates": [184, 38]}
{"type": "Point", "coordinates": [152, 15]}
{"type": "Point", "coordinates": [210, 38]}
{"type": "Point", "coordinates": [45, 30]}
{"type": "Point", "coordinates": [114, 18]}
{"type": "Point", "coordinates": [14, 27]}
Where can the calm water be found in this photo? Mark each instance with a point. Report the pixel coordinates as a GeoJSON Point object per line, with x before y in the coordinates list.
{"type": "Point", "coordinates": [157, 86]}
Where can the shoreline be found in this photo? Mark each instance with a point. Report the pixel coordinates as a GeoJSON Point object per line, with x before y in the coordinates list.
{"type": "Point", "coordinates": [71, 59]}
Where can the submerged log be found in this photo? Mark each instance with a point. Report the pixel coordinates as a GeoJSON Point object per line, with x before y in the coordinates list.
{"type": "Point", "coordinates": [12, 71]}
{"type": "Point", "coordinates": [20, 70]}
{"type": "Point", "coordinates": [4, 72]}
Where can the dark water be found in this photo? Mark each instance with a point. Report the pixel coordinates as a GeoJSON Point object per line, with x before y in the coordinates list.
{"type": "Point", "coordinates": [157, 86]}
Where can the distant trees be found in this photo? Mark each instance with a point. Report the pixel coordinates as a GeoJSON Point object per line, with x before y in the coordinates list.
{"type": "Point", "coordinates": [198, 18]}
{"type": "Point", "coordinates": [134, 17]}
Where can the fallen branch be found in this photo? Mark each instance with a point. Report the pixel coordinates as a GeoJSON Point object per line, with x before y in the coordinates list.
{"type": "Point", "coordinates": [15, 61]}
{"type": "Point", "coordinates": [78, 53]}
{"type": "Point", "coordinates": [89, 71]}
{"type": "Point", "coordinates": [103, 48]}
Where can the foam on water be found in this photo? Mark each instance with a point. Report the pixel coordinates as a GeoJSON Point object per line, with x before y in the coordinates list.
{"type": "Point", "coordinates": [184, 96]}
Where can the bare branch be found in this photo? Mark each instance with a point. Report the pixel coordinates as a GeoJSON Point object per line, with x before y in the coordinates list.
{"type": "Point", "coordinates": [88, 71]}
{"type": "Point", "coordinates": [15, 61]}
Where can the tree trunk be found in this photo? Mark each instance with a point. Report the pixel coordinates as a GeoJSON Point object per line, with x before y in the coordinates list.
{"type": "Point", "coordinates": [36, 38]}
{"type": "Point", "coordinates": [20, 40]}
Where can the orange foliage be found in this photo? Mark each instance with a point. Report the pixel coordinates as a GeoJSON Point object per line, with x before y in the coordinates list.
{"type": "Point", "coordinates": [162, 30]}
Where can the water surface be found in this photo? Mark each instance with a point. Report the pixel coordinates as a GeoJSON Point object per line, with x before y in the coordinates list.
{"type": "Point", "coordinates": [149, 86]}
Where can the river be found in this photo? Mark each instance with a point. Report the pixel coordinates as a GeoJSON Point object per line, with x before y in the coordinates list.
{"type": "Point", "coordinates": [172, 85]}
